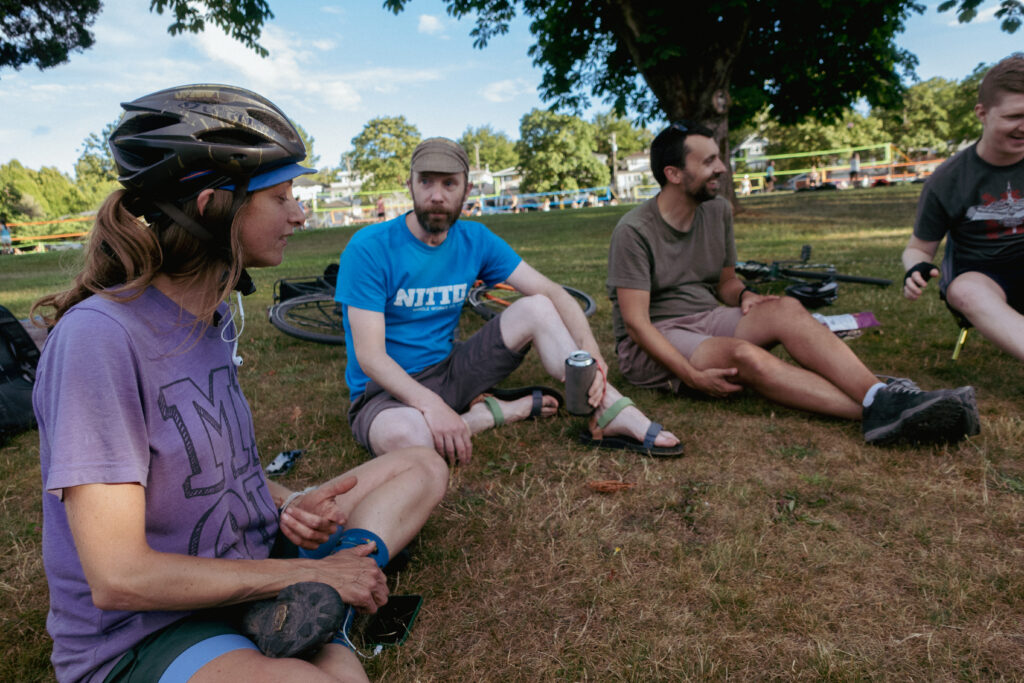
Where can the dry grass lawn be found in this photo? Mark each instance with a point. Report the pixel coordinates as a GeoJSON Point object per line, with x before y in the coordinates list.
{"type": "Point", "coordinates": [780, 547]}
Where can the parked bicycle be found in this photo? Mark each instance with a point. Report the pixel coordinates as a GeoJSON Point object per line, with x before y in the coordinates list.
{"type": "Point", "coordinates": [304, 307]}
{"type": "Point", "coordinates": [813, 284]}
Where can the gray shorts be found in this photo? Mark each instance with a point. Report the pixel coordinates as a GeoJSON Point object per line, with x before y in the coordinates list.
{"type": "Point", "coordinates": [473, 367]}
{"type": "Point", "coordinates": [685, 334]}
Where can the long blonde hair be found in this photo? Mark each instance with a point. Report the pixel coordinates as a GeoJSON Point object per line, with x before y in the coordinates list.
{"type": "Point", "coordinates": [124, 254]}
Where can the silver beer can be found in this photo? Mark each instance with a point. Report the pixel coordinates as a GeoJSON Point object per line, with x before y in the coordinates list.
{"type": "Point", "coordinates": [580, 370]}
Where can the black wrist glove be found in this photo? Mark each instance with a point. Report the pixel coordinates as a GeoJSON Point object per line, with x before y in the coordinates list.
{"type": "Point", "coordinates": [924, 268]}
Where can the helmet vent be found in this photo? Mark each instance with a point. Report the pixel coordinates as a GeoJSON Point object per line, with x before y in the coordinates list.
{"type": "Point", "coordinates": [274, 123]}
{"type": "Point", "coordinates": [144, 124]}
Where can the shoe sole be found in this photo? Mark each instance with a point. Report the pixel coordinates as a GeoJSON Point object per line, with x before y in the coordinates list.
{"type": "Point", "coordinates": [940, 420]}
{"type": "Point", "coordinates": [297, 623]}
{"type": "Point", "coordinates": [968, 400]}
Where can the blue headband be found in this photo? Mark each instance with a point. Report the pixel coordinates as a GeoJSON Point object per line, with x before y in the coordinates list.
{"type": "Point", "coordinates": [262, 181]}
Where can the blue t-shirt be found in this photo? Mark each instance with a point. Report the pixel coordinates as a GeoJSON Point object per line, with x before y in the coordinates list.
{"type": "Point", "coordinates": [420, 289]}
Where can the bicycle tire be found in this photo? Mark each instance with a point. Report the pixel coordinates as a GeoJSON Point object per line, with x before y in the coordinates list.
{"type": "Point", "coordinates": [311, 317]}
{"type": "Point", "coordinates": [838, 277]}
{"type": "Point", "coordinates": [488, 302]}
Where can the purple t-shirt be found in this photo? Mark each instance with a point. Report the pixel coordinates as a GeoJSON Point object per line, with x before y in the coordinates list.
{"type": "Point", "coordinates": [124, 394]}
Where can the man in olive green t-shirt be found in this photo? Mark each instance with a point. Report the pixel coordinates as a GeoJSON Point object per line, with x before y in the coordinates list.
{"type": "Point", "coordinates": [684, 320]}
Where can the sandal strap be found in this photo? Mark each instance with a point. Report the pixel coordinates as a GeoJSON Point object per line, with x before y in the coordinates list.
{"type": "Point", "coordinates": [613, 411]}
{"type": "Point", "coordinates": [495, 408]}
{"type": "Point", "coordinates": [651, 435]}
{"type": "Point", "coordinates": [538, 403]}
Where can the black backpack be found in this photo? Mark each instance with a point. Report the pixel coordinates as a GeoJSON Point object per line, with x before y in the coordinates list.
{"type": "Point", "coordinates": [19, 356]}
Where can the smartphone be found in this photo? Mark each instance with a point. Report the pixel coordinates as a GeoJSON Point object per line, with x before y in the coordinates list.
{"type": "Point", "coordinates": [283, 462]}
{"type": "Point", "coordinates": [391, 624]}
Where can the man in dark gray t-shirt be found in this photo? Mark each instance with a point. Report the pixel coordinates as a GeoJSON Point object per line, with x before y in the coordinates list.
{"type": "Point", "coordinates": [683, 319]}
{"type": "Point", "coordinates": [976, 200]}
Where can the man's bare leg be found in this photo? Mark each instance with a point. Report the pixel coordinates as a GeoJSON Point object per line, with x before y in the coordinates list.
{"type": "Point", "coordinates": [774, 378]}
{"type": "Point", "coordinates": [396, 428]}
{"type": "Point", "coordinates": [535, 319]}
{"type": "Point", "coordinates": [811, 344]}
{"type": "Point", "coordinates": [983, 302]}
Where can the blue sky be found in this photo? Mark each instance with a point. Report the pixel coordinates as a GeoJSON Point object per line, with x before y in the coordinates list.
{"type": "Point", "coordinates": [336, 65]}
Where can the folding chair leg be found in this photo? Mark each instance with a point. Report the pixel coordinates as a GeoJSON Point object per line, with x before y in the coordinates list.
{"type": "Point", "coordinates": [960, 341]}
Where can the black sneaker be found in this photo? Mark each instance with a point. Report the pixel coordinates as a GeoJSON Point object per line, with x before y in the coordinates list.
{"type": "Point", "coordinates": [902, 412]}
{"type": "Point", "coordinates": [297, 623]}
{"type": "Point", "coordinates": [972, 423]}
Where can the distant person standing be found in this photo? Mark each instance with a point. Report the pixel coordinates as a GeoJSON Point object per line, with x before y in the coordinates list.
{"type": "Point", "coordinates": [854, 169]}
{"type": "Point", "coordinates": [769, 176]}
{"type": "Point", "coordinates": [381, 213]}
{"type": "Point", "coordinates": [5, 237]}
{"type": "Point", "coordinates": [745, 186]}
{"type": "Point", "coordinates": [813, 178]}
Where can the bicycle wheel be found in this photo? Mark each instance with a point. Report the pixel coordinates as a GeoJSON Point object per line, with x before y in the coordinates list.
{"type": "Point", "coordinates": [488, 302]}
{"type": "Point", "coordinates": [312, 317]}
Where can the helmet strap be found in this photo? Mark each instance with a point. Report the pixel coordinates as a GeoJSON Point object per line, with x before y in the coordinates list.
{"type": "Point", "coordinates": [245, 285]}
{"type": "Point", "coordinates": [184, 220]}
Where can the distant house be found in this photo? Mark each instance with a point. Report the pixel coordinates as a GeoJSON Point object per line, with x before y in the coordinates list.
{"type": "Point", "coordinates": [750, 151]}
{"type": "Point", "coordinates": [634, 171]}
{"type": "Point", "coordinates": [346, 183]}
{"type": "Point", "coordinates": [482, 180]}
{"type": "Point", "coordinates": [507, 180]}
{"type": "Point", "coordinates": [305, 188]}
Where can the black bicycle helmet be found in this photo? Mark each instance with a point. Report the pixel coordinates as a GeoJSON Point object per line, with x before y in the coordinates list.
{"type": "Point", "coordinates": [171, 145]}
{"type": "Point", "coordinates": [174, 143]}
{"type": "Point", "coordinates": [815, 294]}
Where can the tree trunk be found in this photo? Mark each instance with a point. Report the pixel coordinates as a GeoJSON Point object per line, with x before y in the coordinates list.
{"type": "Point", "coordinates": [685, 89]}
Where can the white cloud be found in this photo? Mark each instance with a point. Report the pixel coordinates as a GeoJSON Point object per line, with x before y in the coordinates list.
{"type": "Point", "coordinates": [507, 90]}
{"type": "Point", "coordinates": [323, 45]}
{"type": "Point", "coordinates": [334, 94]}
{"type": "Point", "coordinates": [280, 68]}
{"type": "Point", "coordinates": [983, 16]}
{"type": "Point", "coordinates": [430, 24]}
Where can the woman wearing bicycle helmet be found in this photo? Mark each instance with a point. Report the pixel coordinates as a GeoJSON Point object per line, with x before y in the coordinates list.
{"type": "Point", "coordinates": [157, 513]}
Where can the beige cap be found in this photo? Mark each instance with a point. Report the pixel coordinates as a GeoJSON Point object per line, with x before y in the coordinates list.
{"type": "Point", "coordinates": [440, 155]}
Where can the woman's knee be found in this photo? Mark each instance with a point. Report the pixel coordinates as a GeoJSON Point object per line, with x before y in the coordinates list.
{"type": "Point", "coordinates": [428, 465]}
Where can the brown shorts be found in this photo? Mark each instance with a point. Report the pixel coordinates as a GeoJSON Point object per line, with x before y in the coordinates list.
{"type": "Point", "coordinates": [473, 367]}
{"type": "Point", "coordinates": [685, 334]}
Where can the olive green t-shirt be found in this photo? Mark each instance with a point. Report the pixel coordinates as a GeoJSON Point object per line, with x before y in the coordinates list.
{"type": "Point", "coordinates": [680, 269]}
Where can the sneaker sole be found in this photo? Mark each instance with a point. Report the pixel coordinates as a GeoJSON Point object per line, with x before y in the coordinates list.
{"type": "Point", "coordinates": [297, 623]}
{"type": "Point", "coordinates": [968, 400]}
{"type": "Point", "coordinates": [940, 420]}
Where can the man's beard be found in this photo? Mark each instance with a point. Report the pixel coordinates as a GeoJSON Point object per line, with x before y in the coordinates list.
{"type": "Point", "coordinates": [432, 224]}
{"type": "Point", "coordinates": [703, 193]}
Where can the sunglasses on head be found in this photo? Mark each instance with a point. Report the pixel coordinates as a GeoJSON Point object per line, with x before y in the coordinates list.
{"type": "Point", "coordinates": [683, 126]}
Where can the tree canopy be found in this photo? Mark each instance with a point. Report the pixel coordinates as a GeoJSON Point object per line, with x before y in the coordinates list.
{"type": "Point", "coordinates": [556, 152]}
{"type": "Point", "coordinates": [28, 195]}
{"type": "Point", "coordinates": [46, 32]}
{"type": "Point", "coordinates": [1010, 13]}
{"type": "Point", "coordinates": [628, 138]}
{"type": "Point", "coordinates": [719, 63]}
{"type": "Point", "coordinates": [382, 152]}
{"type": "Point", "coordinates": [496, 149]}
{"type": "Point", "coordinates": [43, 32]}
